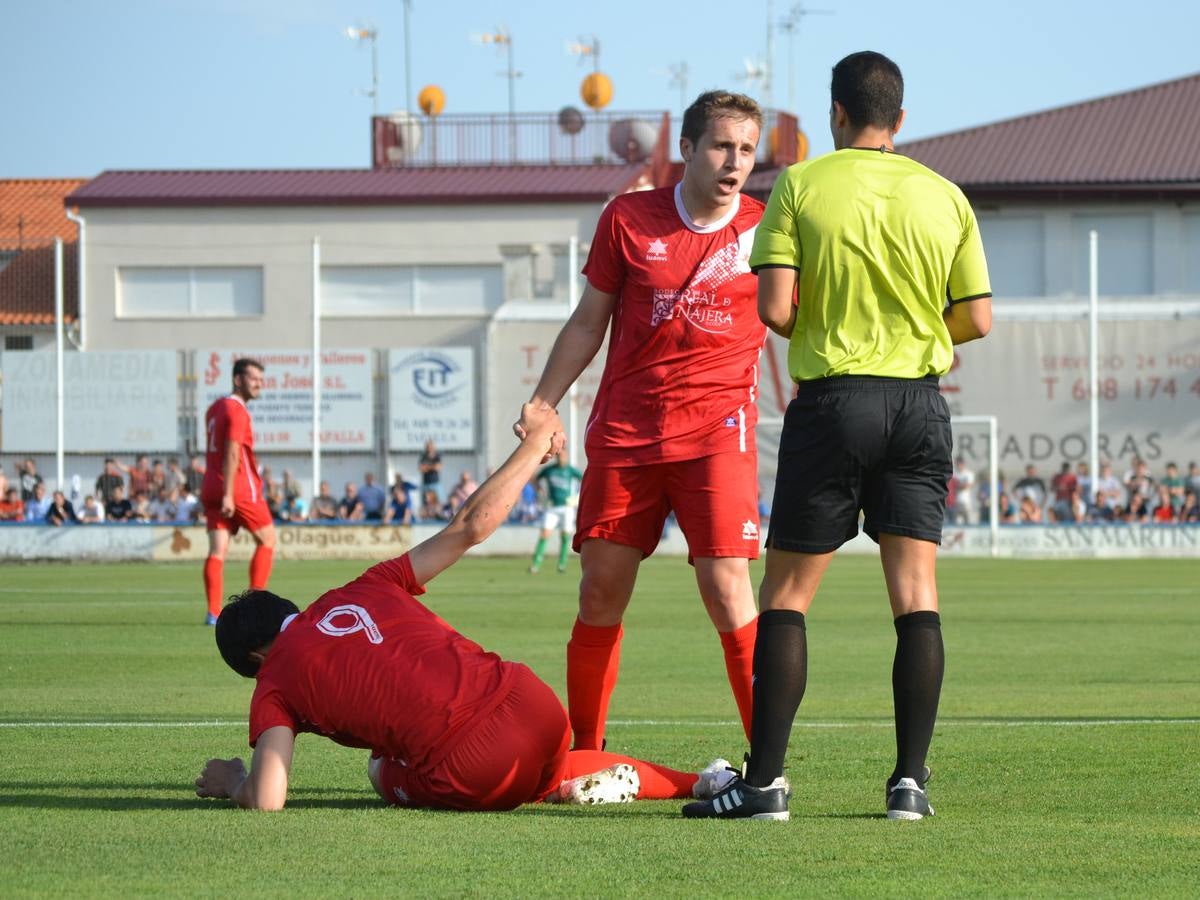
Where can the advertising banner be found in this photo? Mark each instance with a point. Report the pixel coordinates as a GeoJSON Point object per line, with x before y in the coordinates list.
{"type": "Point", "coordinates": [114, 401]}
{"type": "Point", "coordinates": [282, 414]}
{"type": "Point", "coordinates": [432, 397]}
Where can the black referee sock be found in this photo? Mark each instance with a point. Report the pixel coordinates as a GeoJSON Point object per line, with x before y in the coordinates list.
{"type": "Point", "coordinates": [780, 675]}
{"type": "Point", "coordinates": [916, 687]}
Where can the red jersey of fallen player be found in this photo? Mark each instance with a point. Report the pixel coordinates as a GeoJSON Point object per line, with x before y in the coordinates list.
{"type": "Point", "coordinates": [229, 420]}
{"type": "Point", "coordinates": [369, 666]}
{"type": "Point", "coordinates": [681, 377]}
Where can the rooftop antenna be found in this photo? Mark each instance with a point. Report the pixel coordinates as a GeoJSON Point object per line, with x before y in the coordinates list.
{"type": "Point", "coordinates": [789, 25]}
{"type": "Point", "coordinates": [369, 33]}
{"type": "Point", "coordinates": [502, 38]}
{"type": "Point", "coordinates": [679, 78]}
{"type": "Point", "coordinates": [585, 47]}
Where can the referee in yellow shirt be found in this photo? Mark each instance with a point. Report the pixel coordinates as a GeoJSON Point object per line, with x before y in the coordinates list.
{"type": "Point", "coordinates": [872, 266]}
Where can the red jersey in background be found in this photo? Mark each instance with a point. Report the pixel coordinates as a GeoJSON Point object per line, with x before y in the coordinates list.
{"type": "Point", "coordinates": [229, 420]}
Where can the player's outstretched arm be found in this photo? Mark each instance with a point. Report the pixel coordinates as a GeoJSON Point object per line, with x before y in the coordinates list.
{"type": "Point", "coordinates": [488, 507]}
{"type": "Point", "coordinates": [575, 347]}
{"type": "Point", "coordinates": [265, 786]}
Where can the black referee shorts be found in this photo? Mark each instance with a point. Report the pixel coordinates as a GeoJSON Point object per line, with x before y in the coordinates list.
{"type": "Point", "coordinates": [859, 442]}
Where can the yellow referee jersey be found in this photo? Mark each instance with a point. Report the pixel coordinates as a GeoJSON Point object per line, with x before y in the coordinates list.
{"type": "Point", "coordinates": [879, 242]}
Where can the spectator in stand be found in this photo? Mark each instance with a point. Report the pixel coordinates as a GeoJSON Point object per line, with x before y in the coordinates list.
{"type": "Point", "coordinates": [1029, 512]}
{"type": "Point", "coordinates": [1063, 486]}
{"type": "Point", "coordinates": [187, 510]}
{"type": "Point", "coordinates": [1101, 511]}
{"type": "Point", "coordinates": [3, 483]}
{"type": "Point", "coordinates": [158, 476]}
{"type": "Point", "coordinates": [432, 508]}
{"type": "Point", "coordinates": [350, 508]}
{"type": "Point", "coordinates": [1109, 485]}
{"type": "Point", "coordinates": [1031, 486]}
{"type": "Point", "coordinates": [293, 491]}
{"type": "Point", "coordinates": [527, 509]}
{"type": "Point", "coordinates": [275, 500]}
{"type": "Point", "coordinates": [1190, 511]}
{"type": "Point", "coordinates": [141, 508]}
{"type": "Point", "coordinates": [324, 506]}
{"type": "Point", "coordinates": [430, 467]}
{"type": "Point", "coordinates": [398, 511]}
{"type": "Point", "coordinates": [194, 474]}
{"type": "Point", "coordinates": [38, 505]}
{"type": "Point", "coordinates": [61, 512]}
{"type": "Point", "coordinates": [1078, 507]}
{"type": "Point", "coordinates": [1175, 484]}
{"type": "Point", "coordinates": [1139, 482]}
{"type": "Point", "coordinates": [372, 499]}
{"type": "Point", "coordinates": [1083, 477]}
{"type": "Point", "coordinates": [1193, 478]}
{"type": "Point", "coordinates": [964, 510]}
{"type": "Point", "coordinates": [119, 508]}
{"type": "Point", "coordinates": [91, 512]}
{"type": "Point", "coordinates": [12, 507]}
{"type": "Point", "coordinates": [175, 478]}
{"type": "Point", "coordinates": [1164, 510]}
{"type": "Point", "coordinates": [1138, 510]}
{"type": "Point", "coordinates": [109, 479]}
{"type": "Point", "coordinates": [162, 507]}
{"type": "Point", "coordinates": [29, 479]}
{"type": "Point", "coordinates": [1006, 509]}
{"type": "Point", "coordinates": [465, 487]}
{"type": "Point", "coordinates": [140, 477]}
{"type": "Point", "coordinates": [413, 491]}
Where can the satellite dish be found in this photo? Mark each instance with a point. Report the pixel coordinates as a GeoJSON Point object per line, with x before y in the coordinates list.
{"type": "Point", "coordinates": [570, 120]}
{"type": "Point", "coordinates": [632, 140]}
{"type": "Point", "coordinates": [406, 136]}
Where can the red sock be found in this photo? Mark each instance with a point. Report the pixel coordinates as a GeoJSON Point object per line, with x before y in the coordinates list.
{"type": "Point", "coordinates": [658, 782]}
{"type": "Point", "coordinates": [593, 656]}
{"type": "Point", "coordinates": [214, 569]}
{"type": "Point", "coordinates": [739, 666]}
{"type": "Point", "coordinates": [260, 566]}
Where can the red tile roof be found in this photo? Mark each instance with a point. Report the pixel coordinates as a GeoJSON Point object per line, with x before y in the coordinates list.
{"type": "Point", "coordinates": [1145, 138]}
{"type": "Point", "coordinates": [31, 217]}
{"type": "Point", "coordinates": [351, 187]}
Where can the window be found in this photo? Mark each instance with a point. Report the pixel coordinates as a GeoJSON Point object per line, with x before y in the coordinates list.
{"type": "Point", "coordinates": [1191, 253]}
{"type": "Point", "coordinates": [383, 291]}
{"type": "Point", "coordinates": [189, 292]}
{"type": "Point", "coordinates": [1015, 250]}
{"type": "Point", "coordinates": [18, 342]}
{"type": "Point", "coordinates": [1126, 254]}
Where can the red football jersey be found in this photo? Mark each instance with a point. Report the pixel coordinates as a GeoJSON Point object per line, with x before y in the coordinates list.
{"type": "Point", "coordinates": [681, 377]}
{"type": "Point", "coordinates": [229, 420]}
{"type": "Point", "coordinates": [368, 666]}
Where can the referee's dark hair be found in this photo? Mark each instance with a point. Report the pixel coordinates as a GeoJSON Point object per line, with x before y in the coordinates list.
{"type": "Point", "coordinates": [241, 365]}
{"type": "Point", "coordinates": [870, 88]}
{"type": "Point", "coordinates": [249, 622]}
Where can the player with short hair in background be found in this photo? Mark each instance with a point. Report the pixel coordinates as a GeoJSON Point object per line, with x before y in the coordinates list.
{"type": "Point", "coordinates": [232, 491]}
{"type": "Point", "coordinates": [672, 426]}
{"type": "Point", "coordinates": [560, 481]}
{"type": "Point", "coordinates": [448, 724]}
{"type": "Point", "coordinates": [873, 267]}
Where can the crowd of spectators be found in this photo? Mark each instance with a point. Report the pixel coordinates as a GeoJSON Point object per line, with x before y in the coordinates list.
{"type": "Point", "coordinates": [1137, 496]}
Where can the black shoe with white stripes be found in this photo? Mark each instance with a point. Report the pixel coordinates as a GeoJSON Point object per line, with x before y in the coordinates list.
{"type": "Point", "coordinates": [906, 798]}
{"type": "Point", "coordinates": [739, 800]}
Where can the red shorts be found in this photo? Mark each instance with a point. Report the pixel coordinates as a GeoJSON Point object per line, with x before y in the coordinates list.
{"type": "Point", "coordinates": [715, 499]}
{"type": "Point", "coordinates": [253, 515]}
{"type": "Point", "coordinates": [516, 755]}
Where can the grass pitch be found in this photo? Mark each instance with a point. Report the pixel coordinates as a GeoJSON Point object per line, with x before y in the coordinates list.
{"type": "Point", "coordinates": [1065, 758]}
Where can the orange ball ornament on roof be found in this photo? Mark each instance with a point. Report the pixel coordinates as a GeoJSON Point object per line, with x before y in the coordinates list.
{"type": "Point", "coordinates": [596, 90]}
{"type": "Point", "coordinates": [431, 100]}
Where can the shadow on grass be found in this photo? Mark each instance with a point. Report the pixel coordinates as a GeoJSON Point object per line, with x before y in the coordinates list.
{"type": "Point", "coordinates": [116, 795]}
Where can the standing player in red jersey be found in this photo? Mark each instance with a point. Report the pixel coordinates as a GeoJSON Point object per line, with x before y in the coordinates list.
{"type": "Point", "coordinates": [672, 427]}
{"type": "Point", "coordinates": [450, 725]}
{"type": "Point", "coordinates": [232, 492]}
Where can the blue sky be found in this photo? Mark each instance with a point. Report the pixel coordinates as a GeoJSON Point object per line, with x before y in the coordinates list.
{"type": "Point", "coordinates": [173, 84]}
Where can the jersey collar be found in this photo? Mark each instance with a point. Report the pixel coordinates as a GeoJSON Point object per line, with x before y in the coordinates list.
{"type": "Point", "coordinates": [237, 398]}
{"type": "Point", "coordinates": [287, 622]}
{"type": "Point", "coordinates": [711, 227]}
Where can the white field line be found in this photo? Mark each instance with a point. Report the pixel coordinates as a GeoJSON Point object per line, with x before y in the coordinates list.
{"type": "Point", "coordinates": [671, 723]}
